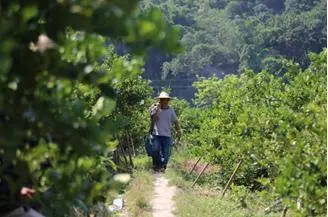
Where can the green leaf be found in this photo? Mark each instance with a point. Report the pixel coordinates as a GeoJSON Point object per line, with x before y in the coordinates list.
{"type": "Point", "coordinates": [147, 27]}
{"type": "Point", "coordinates": [29, 12]}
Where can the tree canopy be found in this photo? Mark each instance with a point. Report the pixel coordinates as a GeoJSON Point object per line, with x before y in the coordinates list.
{"type": "Point", "coordinates": [225, 36]}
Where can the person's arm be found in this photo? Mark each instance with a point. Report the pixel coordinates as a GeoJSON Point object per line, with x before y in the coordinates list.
{"type": "Point", "coordinates": [176, 123]}
{"type": "Point", "coordinates": [177, 129]}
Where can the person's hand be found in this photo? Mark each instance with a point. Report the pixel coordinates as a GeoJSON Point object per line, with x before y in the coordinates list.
{"type": "Point", "coordinates": [26, 192]}
{"type": "Point", "coordinates": [156, 106]}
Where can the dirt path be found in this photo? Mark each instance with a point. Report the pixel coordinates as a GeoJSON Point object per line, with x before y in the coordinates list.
{"type": "Point", "coordinates": [162, 202]}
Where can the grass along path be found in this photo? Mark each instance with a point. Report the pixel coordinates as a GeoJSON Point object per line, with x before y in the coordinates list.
{"type": "Point", "coordinates": [138, 196]}
{"type": "Point", "coordinates": [205, 200]}
{"type": "Point", "coordinates": [171, 195]}
{"type": "Point", "coordinates": [140, 190]}
{"type": "Point", "coordinates": [148, 194]}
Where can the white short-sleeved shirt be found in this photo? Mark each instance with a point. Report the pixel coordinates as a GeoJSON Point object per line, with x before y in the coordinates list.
{"type": "Point", "coordinates": [163, 125]}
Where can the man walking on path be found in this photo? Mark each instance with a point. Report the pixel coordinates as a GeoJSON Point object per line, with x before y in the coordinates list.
{"type": "Point", "coordinates": [163, 117]}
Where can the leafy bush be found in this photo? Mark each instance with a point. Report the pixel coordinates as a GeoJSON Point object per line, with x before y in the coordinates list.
{"type": "Point", "coordinates": [57, 100]}
{"type": "Point", "coordinates": [276, 123]}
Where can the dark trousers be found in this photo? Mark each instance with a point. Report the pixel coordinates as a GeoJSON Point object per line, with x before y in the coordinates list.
{"type": "Point", "coordinates": [161, 149]}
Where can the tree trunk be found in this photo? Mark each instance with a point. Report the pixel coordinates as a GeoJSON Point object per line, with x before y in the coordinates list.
{"type": "Point", "coordinates": [121, 148]}
{"type": "Point", "coordinates": [129, 150]}
{"type": "Point", "coordinates": [132, 145]}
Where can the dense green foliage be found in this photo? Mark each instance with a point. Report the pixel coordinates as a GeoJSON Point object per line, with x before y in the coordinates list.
{"type": "Point", "coordinates": [68, 101]}
{"type": "Point", "coordinates": [58, 85]}
{"type": "Point", "coordinates": [277, 124]}
{"type": "Point", "coordinates": [225, 36]}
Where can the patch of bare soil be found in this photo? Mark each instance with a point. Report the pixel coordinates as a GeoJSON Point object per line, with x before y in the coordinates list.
{"type": "Point", "coordinates": [162, 202]}
{"type": "Point", "coordinates": [188, 165]}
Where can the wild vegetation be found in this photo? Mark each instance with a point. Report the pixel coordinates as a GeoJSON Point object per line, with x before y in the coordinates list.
{"type": "Point", "coordinates": [60, 85]}
{"type": "Point", "coordinates": [74, 109]}
{"type": "Point", "coordinates": [276, 124]}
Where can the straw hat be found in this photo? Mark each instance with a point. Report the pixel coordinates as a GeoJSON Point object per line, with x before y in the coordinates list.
{"type": "Point", "coordinates": [163, 95]}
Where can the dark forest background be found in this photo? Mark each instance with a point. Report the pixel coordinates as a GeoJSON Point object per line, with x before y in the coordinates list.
{"type": "Point", "coordinates": [223, 37]}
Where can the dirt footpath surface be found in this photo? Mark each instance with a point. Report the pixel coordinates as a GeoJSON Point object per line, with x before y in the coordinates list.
{"type": "Point", "coordinates": [162, 202]}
